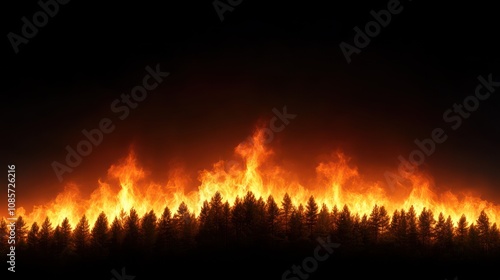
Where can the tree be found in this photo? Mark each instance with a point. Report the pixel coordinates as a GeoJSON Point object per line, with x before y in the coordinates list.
{"type": "Point", "coordinates": [323, 224]}
{"type": "Point", "coordinates": [21, 232]}
{"type": "Point", "coordinates": [483, 230]}
{"type": "Point", "coordinates": [149, 230]}
{"type": "Point", "coordinates": [81, 236]}
{"type": "Point", "coordinates": [116, 235]}
{"type": "Point", "coordinates": [344, 225]}
{"type": "Point", "coordinates": [33, 237]}
{"type": "Point", "coordinates": [394, 226]}
{"type": "Point", "coordinates": [238, 218]}
{"type": "Point", "coordinates": [46, 234]}
{"type": "Point", "coordinates": [311, 215]}
{"type": "Point", "coordinates": [166, 230]}
{"type": "Point", "coordinates": [461, 232]}
{"type": "Point", "coordinates": [444, 232]}
{"type": "Point", "coordinates": [426, 223]}
{"type": "Point", "coordinates": [185, 224]}
{"type": "Point", "coordinates": [62, 236]}
{"type": "Point", "coordinates": [473, 239]}
{"type": "Point", "coordinates": [297, 223]}
{"type": "Point", "coordinates": [100, 234]}
{"type": "Point", "coordinates": [411, 220]}
{"type": "Point", "coordinates": [402, 230]}
{"type": "Point", "coordinates": [131, 229]}
{"type": "Point", "coordinates": [286, 211]}
{"type": "Point", "coordinates": [272, 215]}
{"type": "Point", "coordinates": [379, 222]}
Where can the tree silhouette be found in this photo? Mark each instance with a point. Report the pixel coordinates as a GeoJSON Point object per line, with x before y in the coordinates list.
{"type": "Point", "coordinates": [411, 220]}
{"type": "Point", "coordinates": [344, 226]}
{"type": "Point", "coordinates": [311, 215]}
{"type": "Point", "coordinates": [494, 237]}
{"type": "Point", "coordinates": [461, 233]}
{"type": "Point", "coordinates": [100, 235]}
{"type": "Point", "coordinates": [297, 223]}
{"type": "Point", "coordinates": [324, 222]}
{"type": "Point", "coordinates": [473, 239]}
{"type": "Point", "coordinates": [185, 224]}
{"type": "Point", "coordinates": [444, 232]}
{"type": "Point", "coordinates": [131, 229]}
{"type": "Point", "coordinates": [33, 237]}
{"type": "Point", "coordinates": [238, 219]}
{"type": "Point", "coordinates": [426, 223]}
{"type": "Point", "coordinates": [46, 233]}
{"type": "Point", "coordinates": [272, 216]}
{"type": "Point", "coordinates": [286, 212]}
{"type": "Point", "coordinates": [149, 231]}
{"type": "Point", "coordinates": [81, 236]}
{"type": "Point", "coordinates": [62, 237]}
{"type": "Point", "coordinates": [116, 236]}
{"type": "Point", "coordinates": [483, 230]}
{"type": "Point", "coordinates": [21, 232]}
{"type": "Point", "coordinates": [166, 231]}
{"type": "Point", "coordinates": [379, 222]}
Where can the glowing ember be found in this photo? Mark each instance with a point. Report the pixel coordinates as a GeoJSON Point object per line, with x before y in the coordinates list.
{"type": "Point", "coordinates": [337, 183]}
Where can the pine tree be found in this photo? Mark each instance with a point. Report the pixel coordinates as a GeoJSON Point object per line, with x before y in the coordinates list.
{"type": "Point", "coordinates": [344, 225]}
{"type": "Point", "coordinates": [21, 233]}
{"type": "Point", "coordinates": [461, 233]}
{"type": "Point", "coordinates": [411, 220]}
{"type": "Point", "coordinates": [215, 215]}
{"type": "Point", "coordinates": [131, 229]}
{"type": "Point", "coordinates": [185, 224]}
{"type": "Point", "coordinates": [323, 225]}
{"type": "Point", "coordinates": [33, 237]}
{"type": "Point", "coordinates": [394, 226]}
{"type": "Point", "coordinates": [166, 230]}
{"type": "Point", "coordinates": [238, 219]}
{"type": "Point", "coordinates": [62, 237]}
{"type": "Point", "coordinates": [494, 237]}
{"type": "Point", "coordinates": [473, 239]}
{"type": "Point", "coordinates": [149, 231]}
{"type": "Point", "coordinates": [297, 223]}
{"type": "Point", "coordinates": [272, 216]}
{"type": "Point", "coordinates": [426, 223]}
{"type": "Point", "coordinates": [81, 236]}
{"type": "Point", "coordinates": [286, 211]}
{"type": "Point", "coordinates": [46, 234]}
{"type": "Point", "coordinates": [100, 235]}
{"type": "Point", "coordinates": [483, 230]}
{"type": "Point", "coordinates": [379, 222]}
{"type": "Point", "coordinates": [402, 231]}
{"type": "Point", "coordinates": [311, 215]}
{"type": "Point", "coordinates": [116, 235]}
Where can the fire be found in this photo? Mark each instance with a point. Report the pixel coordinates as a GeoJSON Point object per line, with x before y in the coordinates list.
{"type": "Point", "coordinates": [337, 184]}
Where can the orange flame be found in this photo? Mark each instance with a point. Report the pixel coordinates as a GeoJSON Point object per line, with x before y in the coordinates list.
{"type": "Point", "coordinates": [337, 184]}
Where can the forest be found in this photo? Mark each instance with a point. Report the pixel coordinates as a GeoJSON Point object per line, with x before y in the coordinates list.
{"type": "Point", "coordinates": [253, 231]}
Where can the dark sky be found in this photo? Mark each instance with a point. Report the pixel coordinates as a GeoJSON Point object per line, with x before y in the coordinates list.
{"type": "Point", "coordinates": [226, 76]}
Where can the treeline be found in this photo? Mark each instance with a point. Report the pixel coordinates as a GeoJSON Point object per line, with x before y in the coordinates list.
{"type": "Point", "coordinates": [256, 222]}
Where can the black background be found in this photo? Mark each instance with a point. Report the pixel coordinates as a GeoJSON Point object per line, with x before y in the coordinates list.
{"type": "Point", "coordinates": [226, 76]}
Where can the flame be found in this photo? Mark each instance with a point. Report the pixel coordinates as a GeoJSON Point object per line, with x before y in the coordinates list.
{"type": "Point", "coordinates": [337, 184]}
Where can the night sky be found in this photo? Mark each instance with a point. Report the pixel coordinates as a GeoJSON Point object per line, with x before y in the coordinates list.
{"type": "Point", "coordinates": [226, 77]}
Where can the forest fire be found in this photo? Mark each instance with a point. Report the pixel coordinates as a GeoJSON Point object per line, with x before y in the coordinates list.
{"type": "Point", "coordinates": [337, 184]}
